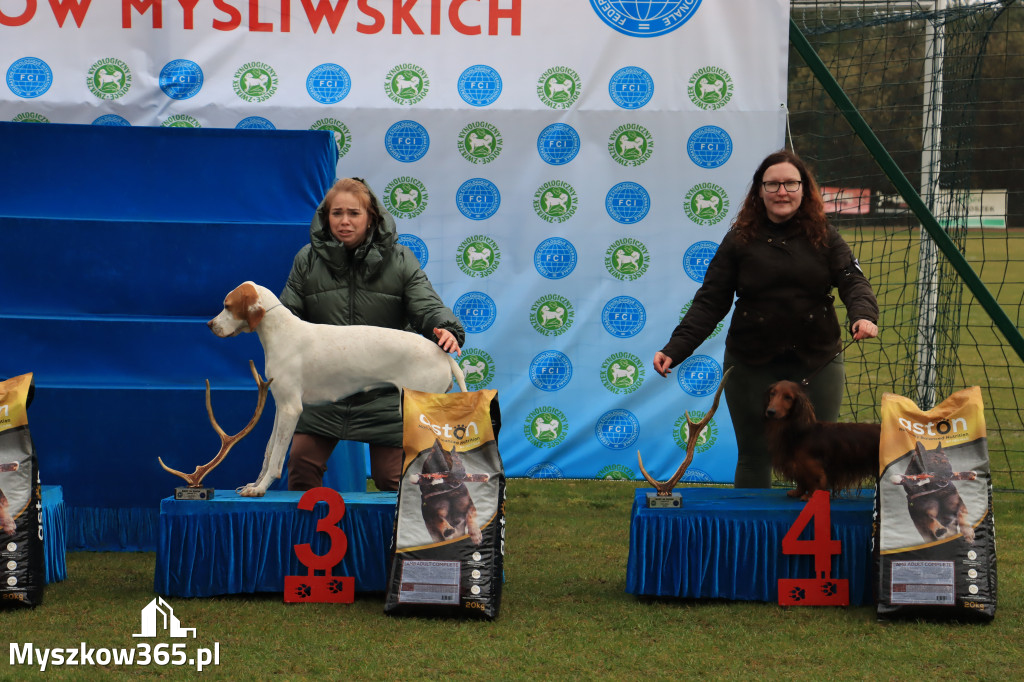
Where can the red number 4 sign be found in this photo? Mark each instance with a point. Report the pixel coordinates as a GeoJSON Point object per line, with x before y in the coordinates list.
{"type": "Point", "coordinates": [820, 590]}
{"type": "Point", "coordinates": [322, 588]}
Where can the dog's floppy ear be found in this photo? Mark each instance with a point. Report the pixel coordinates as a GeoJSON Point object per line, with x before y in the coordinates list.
{"type": "Point", "coordinates": [250, 305]}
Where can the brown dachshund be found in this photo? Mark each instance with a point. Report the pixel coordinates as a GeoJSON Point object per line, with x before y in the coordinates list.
{"type": "Point", "coordinates": [934, 504]}
{"type": "Point", "coordinates": [816, 455]}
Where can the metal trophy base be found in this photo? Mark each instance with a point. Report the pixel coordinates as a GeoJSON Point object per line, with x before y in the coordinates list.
{"type": "Point", "coordinates": [193, 494]}
{"type": "Point", "coordinates": [673, 501]}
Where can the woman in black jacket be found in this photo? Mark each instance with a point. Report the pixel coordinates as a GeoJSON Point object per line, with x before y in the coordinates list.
{"type": "Point", "coordinates": [780, 260]}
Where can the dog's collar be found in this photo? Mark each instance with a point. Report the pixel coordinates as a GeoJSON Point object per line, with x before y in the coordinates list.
{"type": "Point", "coordinates": [276, 305]}
{"type": "Point", "coordinates": [445, 491]}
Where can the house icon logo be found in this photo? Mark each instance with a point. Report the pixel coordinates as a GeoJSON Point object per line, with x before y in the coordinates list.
{"type": "Point", "coordinates": [158, 616]}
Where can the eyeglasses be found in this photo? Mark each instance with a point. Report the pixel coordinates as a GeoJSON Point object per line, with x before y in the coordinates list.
{"type": "Point", "coordinates": [772, 187]}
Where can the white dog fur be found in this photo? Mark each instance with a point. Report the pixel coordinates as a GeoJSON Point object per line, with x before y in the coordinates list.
{"type": "Point", "coordinates": [320, 363]}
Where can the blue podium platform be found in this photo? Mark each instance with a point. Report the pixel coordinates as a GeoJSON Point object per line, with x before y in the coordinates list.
{"type": "Point", "coordinates": [54, 529]}
{"type": "Point", "coordinates": [233, 544]}
{"type": "Point", "coordinates": [726, 543]}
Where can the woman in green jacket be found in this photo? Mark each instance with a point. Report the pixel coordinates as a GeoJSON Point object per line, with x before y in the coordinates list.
{"type": "Point", "coordinates": [780, 260]}
{"type": "Point", "coordinates": [353, 271]}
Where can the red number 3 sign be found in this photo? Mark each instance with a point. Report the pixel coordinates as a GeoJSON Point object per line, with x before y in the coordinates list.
{"type": "Point", "coordinates": [322, 588]}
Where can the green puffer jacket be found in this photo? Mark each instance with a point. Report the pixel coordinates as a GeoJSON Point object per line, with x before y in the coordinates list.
{"type": "Point", "coordinates": [380, 283]}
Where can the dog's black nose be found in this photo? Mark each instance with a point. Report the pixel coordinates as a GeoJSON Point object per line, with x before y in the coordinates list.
{"type": "Point", "coordinates": [448, 532]}
{"type": "Point", "coordinates": [770, 412]}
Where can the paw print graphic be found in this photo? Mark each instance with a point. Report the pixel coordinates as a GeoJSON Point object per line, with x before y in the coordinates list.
{"type": "Point", "coordinates": [303, 591]}
{"type": "Point", "coordinates": [829, 589]}
{"type": "Point", "coordinates": [336, 586]}
{"type": "Point", "coordinates": [798, 594]}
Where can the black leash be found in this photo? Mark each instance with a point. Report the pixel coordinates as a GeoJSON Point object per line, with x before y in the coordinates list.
{"type": "Point", "coordinates": [807, 382]}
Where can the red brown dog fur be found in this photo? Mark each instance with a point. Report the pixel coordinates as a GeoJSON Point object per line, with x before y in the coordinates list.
{"type": "Point", "coordinates": [832, 456]}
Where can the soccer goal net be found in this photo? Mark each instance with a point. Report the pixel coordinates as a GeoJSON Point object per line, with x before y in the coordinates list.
{"type": "Point", "coordinates": [913, 121]}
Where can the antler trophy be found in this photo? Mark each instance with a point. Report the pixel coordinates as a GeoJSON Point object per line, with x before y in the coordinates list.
{"type": "Point", "coordinates": [665, 497]}
{"type": "Point", "coordinates": [195, 490]}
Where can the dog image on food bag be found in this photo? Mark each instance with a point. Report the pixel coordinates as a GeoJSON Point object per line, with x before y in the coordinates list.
{"type": "Point", "coordinates": [448, 509]}
{"type": "Point", "coordinates": [7, 524]}
{"type": "Point", "coordinates": [933, 502]}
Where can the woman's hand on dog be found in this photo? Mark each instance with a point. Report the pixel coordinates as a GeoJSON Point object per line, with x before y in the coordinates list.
{"type": "Point", "coordinates": [447, 341]}
{"type": "Point", "coordinates": [864, 329]}
{"type": "Point", "coordinates": [662, 364]}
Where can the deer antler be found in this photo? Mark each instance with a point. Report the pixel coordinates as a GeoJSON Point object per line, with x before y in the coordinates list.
{"type": "Point", "coordinates": [195, 479]}
{"type": "Point", "coordinates": [693, 430]}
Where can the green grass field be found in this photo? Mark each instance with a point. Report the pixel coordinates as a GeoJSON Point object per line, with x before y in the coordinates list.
{"type": "Point", "coordinates": [565, 615]}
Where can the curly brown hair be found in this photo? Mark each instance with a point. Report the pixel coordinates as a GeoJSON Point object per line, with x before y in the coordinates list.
{"type": "Point", "coordinates": [810, 215]}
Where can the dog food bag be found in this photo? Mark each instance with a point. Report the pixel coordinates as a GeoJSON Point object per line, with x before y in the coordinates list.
{"type": "Point", "coordinates": [449, 538]}
{"type": "Point", "coordinates": [935, 547]}
{"type": "Point", "coordinates": [22, 567]}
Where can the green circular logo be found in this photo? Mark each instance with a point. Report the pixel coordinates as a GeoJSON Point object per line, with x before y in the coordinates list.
{"type": "Point", "coordinates": [405, 197]}
{"type": "Point", "coordinates": [30, 117]}
{"type": "Point", "coordinates": [706, 439]}
{"type": "Point", "coordinates": [706, 204]}
{"type": "Point", "coordinates": [630, 144]}
{"type": "Point", "coordinates": [478, 367]}
{"type": "Point", "coordinates": [627, 259]}
{"type": "Point", "coordinates": [545, 427]}
{"type": "Point", "coordinates": [181, 121]}
{"type": "Point", "coordinates": [406, 84]}
{"type": "Point", "coordinates": [552, 314]}
{"type": "Point", "coordinates": [559, 87]}
{"type": "Point", "coordinates": [616, 472]}
{"type": "Point", "coordinates": [682, 314]}
{"type": "Point", "coordinates": [109, 78]}
{"type": "Point", "coordinates": [478, 256]}
{"type": "Point", "coordinates": [555, 201]}
{"type": "Point", "coordinates": [480, 142]}
{"type": "Point", "coordinates": [255, 82]}
{"type": "Point", "coordinates": [342, 137]}
{"type": "Point", "coordinates": [710, 88]}
{"type": "Point", "coordinates": [622, 373]}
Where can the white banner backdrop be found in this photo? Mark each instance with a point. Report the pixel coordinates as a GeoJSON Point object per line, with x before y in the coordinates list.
{"type": "Point", "coordinates": [564, 170]}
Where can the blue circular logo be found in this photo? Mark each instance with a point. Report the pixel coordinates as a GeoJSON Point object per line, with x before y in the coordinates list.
{"type": "Point", "coordinates": [544, 470]}
{"type": "Point", "coordinates": [645, 18]}
{"type": "Point", "coordinates": [407, 141]}
{"type": "Point", "coordinates": [550, 370]}
{"type": "Point", "coordinates": [479, 85]}
{"type": "Point", "coordinates": [476, 311]}
{"type": "Point", "coordinates": [699, 375]}
{"type": "Point", "coordinates": [111, 120]}
{"type": "Point", "coordinates": [478, 199]}
{"type": "Point", "coordinates": [709, 146]}
{"type": "Point", "coordinates": [631, 87]}
{"type": "Point", "coordinates": [627, 203]}
{"type": "Point", "coordinates": [29, 77]}
{"type": "Point", "coordinates": [255, 123]}
{"type": "Point", "coordinates": [617, 429]}
{"type": "Point", "coordinates": [328, 83]}
{"type": "Point", "coordinates": [181, 79]}
{"type": "Point", "coordinates": [558, 144]}
{"type": "Point", "coordinates": [623, 317]}
{"type": "Point", "coordinates": [697, 259]}
{"type": "Point", "coordinates": [417, 246]}
{"type": "Point", "coordinates": [554, 258]}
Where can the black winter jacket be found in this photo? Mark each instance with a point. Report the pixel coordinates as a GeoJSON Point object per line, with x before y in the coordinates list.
{"type": "Point", "coordinates": [784, 305]}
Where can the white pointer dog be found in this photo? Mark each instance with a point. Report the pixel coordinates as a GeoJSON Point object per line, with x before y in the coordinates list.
{"type": "Point", "coordinates": [320, 363]}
